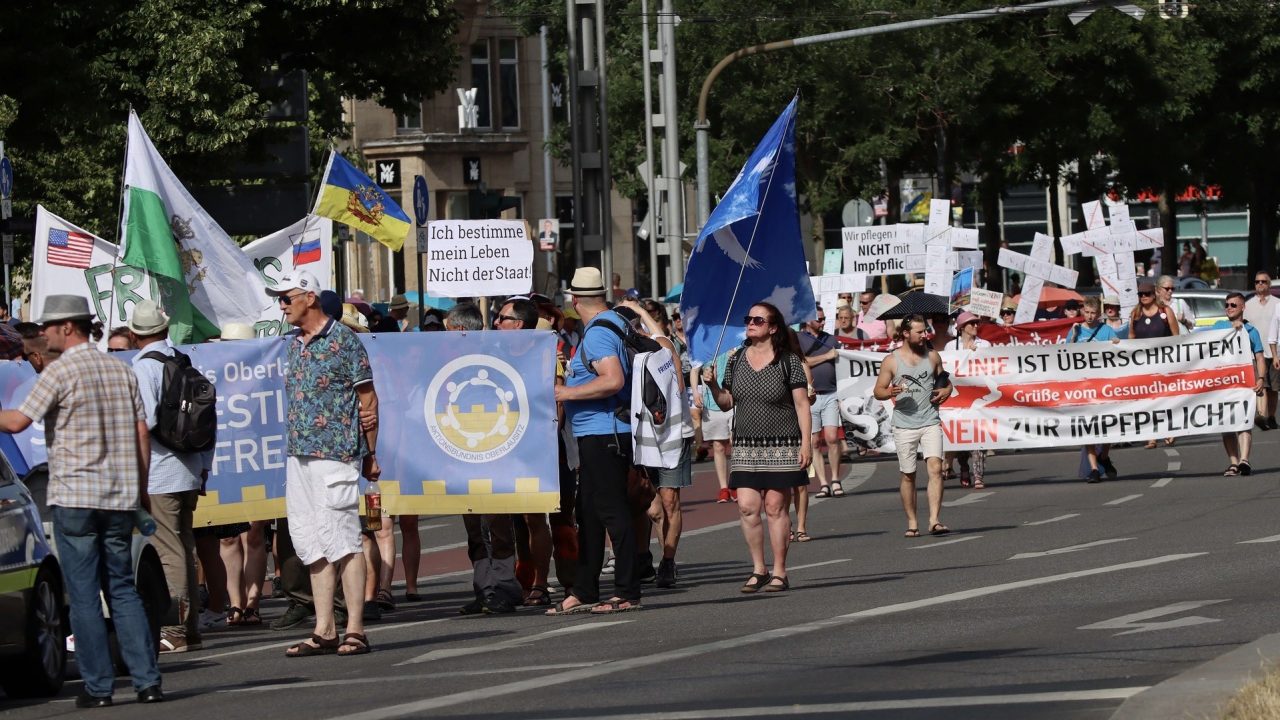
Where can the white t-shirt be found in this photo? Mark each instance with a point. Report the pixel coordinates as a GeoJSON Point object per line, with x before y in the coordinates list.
{"type": "Point", "coordinates": [1263, 316]}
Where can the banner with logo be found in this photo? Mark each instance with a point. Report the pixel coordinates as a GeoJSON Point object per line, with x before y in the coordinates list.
{"type": "Point", "coordinates": [305, 245]}
{"type": "Point", "coordinates": [465, 423]}
{"type": "Point", "coordinates": [1136, 390]}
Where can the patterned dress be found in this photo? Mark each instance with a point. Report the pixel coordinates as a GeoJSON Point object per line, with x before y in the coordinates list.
{"type": "Point", "coordinates": [766, 432]}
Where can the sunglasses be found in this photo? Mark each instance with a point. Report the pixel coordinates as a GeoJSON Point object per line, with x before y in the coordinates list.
{"type": "Point", "coordinates": [1233, 305]}
{"type": "Point", "coordinates": [755, 320]}
{"type": "Point", "coordinates": [1145, 293]}
{"type": "Point", "coordinates": [1167, 287]}
{"type": "Point", "coordinates": [1008, 311]}
{"type": "Point", "coordinates": [500, 318]}
{"type": "Point", "coordinates": [1261, 282]}
{"type": "Point", "coordinates": [288, 299]}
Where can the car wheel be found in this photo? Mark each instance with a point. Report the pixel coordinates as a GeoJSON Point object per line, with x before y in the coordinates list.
{"type": "Point", "coordinates": [39, 671]}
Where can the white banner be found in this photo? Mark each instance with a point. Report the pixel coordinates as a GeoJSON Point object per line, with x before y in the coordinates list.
{"type": "Point", "coordinates": [307, 245]}
{"type": "Point", "coordinates": [1018, 396]}
{"type": "Point", "coordinates": [474, 258]}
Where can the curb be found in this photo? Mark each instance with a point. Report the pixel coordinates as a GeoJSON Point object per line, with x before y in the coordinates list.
{"type": "Point", "coordinates": [1203, 691]}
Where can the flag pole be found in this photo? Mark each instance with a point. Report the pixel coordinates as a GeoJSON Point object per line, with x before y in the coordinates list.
{"type": "Point", "coordinates": [115, 261]}
{"type": "Point", "coordinates": [747, 251]}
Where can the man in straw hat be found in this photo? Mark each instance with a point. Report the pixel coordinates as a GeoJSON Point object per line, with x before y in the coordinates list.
{"type": "Point", "coordinates": [174, 486]}
{"type": "Point", "coordinates": [595, 388]}
{"type": "Point", "coordinates": [99, 456]}
{"type": "Point", "coordinates": [328, 385]}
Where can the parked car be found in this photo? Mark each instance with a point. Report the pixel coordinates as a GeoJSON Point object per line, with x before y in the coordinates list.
{"type": "Point", "coordinates": [1209, 306]}
{"type": "Point", "coordinates": [33, 616]}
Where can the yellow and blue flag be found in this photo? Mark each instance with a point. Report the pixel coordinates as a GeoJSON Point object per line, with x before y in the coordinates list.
{"type": "Point", "coordinates": [351, 197]}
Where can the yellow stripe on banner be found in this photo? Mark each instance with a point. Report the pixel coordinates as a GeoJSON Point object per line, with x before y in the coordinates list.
{"type": "Point", "coordinates": [502, 504]}
{"type": "Point", "coordinates": [480, 486]}
{"type": "Point", "coordinates": [210, 514]}
{"type": "Point", "coordinates": [528, 484]}
{"type": "Point", "coordinates": [434, 487]}
{"type": "Point", "coordinates": [252, 493]}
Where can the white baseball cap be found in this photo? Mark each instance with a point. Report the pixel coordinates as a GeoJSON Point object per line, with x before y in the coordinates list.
{"type": "Point", "coordinates": [295, 280]}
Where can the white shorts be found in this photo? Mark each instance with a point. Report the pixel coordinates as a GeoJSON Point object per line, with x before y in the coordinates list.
{"type": "Point", "coordinates": [926, 441]}
{"type": "Point", "coordinates": [322, 501]}
{"type": "Point", "coordinates": [716, 425]}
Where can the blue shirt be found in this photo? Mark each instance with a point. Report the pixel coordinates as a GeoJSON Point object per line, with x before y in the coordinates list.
{"type": "Point", "coordinates": [1255, 341]}
{"type": "Point", "coordinates": [1081, 332]}
{"type": "Point", "coordinates": [170, 472]}
{"type": "Point", "coordinates": [597, 417]}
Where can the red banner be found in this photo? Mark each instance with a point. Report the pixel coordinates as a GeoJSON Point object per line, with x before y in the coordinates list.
{"type": "Point", "coordinates": [1046, 332]}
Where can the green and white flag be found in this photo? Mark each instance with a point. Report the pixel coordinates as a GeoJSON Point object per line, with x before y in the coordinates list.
{"type": "Point", "coordinates": [205, 280]}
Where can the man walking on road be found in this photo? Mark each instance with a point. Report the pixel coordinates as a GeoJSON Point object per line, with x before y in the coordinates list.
{"type": "Point", "coordinates": [820, 355]}
{"type": "Point", "coordinates": [1260, 312]}
{"type": "Point", "coordinates": [99, 456]}
{"type": "Point", "coordinates": [176, 480]}
{"type": "Point", "coordinates": [1238, 444]}
{"type": "Point", "coordinates": [594, 390]}
{"type": "Point", "coordinates": [328, 387]}
{"type": "Point", "coordinates": [912, 376]}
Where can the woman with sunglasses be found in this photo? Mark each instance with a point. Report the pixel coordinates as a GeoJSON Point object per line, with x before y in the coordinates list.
{"type": "Point", "coordinates": [765, 386]}
{"type": "Point", "coordinates": [1152, 319]}
{"type": "Point", "coordinates": [1112, 317]}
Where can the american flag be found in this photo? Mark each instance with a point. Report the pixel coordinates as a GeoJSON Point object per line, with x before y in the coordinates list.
{"type": "Point", "coordinates": [70, 249]}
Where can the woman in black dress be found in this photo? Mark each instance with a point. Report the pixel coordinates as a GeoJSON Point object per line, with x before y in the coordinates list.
{"type": "Point", "coordinates": [1152, 319]}
{"type": "Point", "coordinates": [765, 385]}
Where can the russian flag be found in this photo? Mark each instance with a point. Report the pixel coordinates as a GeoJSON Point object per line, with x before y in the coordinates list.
{"type": "Point", "coordinates": [306, 252]}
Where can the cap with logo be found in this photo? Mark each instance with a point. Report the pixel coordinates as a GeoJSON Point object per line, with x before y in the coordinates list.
{"type": "Point", "coordinates": [295, 280]}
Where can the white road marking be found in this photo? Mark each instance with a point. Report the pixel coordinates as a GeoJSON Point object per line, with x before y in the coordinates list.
{"type": "Point", "coordinates": [307, 626]}
{"type": "Point", "coordinates": [1171, 452]}
{"type": "Point", "coordinates": [952, 541]}
{"type": "Point", "coordinates": [882, 705]}
{"type": "Point", "coordinates": [969, 499]}
{"type": "Point", "coordinates": [1052, 520]}
{"type": "Point", "coordinates": [442, 548]}
{"type": "Point", "coordinates": [1162, 482]}
{"type": "Point", "coordinates": [818, 564]}
{"type": "Point", "coordinates": [854, 476]}
{"type": "Point", "coordinates": [447, 653]}
{"type": "Point", "coordinates": [667, 658]}
{"type": "Point", "coordinates": [1268, 539]}
{"type": "Point", "coordinates": [1125, 499]}
{"type": "Point", "coordinates": [418, 678]}
{"type": "Point", "coordinates": [1175, 466]}
{"type": "Point", "coordinates": [1068, 549]}
{"type": "Point", "coordinates": [1134, 623]}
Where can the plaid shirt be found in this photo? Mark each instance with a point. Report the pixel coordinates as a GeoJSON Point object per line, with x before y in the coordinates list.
{"type": "Point", "coordinates": [90, 405]}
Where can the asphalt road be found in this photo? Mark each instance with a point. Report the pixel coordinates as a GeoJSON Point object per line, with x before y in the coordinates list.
{"type": "Point", "coordinates": [1052, 599]}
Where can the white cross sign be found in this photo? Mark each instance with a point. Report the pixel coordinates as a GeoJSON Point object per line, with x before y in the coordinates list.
{"type": "Point", "coordinates": [827, 289]}
{"type": "Point", "coordinates": [1112, 248]}
{"type": "Point", "coordinates": [937, 249]}
{"type": "Point", "coordinates": [1036, 268]}
{"type": "Point", "coordinates": [940, 241]}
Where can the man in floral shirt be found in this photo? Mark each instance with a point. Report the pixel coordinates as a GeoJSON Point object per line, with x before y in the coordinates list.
{"type": "Point", "coordinates": [328, 385]}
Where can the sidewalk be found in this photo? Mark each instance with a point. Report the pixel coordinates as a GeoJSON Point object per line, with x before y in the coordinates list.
{"type": "Point", "coordinates": [1203, 691]}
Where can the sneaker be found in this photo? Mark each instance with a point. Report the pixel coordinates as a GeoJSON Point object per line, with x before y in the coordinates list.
{"type": "Point", "coordinates": [1271, 423]}
{"type": "Point", "coordinates": [497, 606]}
{"type": "Point", "coordinates": [1095, 476]}
{"type": "Point", "coordinates": [667, 573]}
{"type": "Point", "coordinates": [372, 612]}
{"type": "Point", "coordinates": [645, 572]}
{"type": "Point", "coordinates": [175, 641]}
{"type": "Point", "coordinates": [277, 587]}
{"type": "Point", "coordinates": [210, 620]}
{"type": "Point", "coordinates": [293, 616]}
{"type": "Point", "coordinates": [475, 607]}
{"type": "Point", "coordinates": [71, 643]}
{"type": "Point", "coordinates": [1261, 422]}
{"type": "Point", "coordinates": [607, 568]}
{"type": "Point", "coordinates": [733, 495]}
{"type": "Point", "coordinates": [723, 497]}
{"type": "Point", "coordinates": [1108, 468]}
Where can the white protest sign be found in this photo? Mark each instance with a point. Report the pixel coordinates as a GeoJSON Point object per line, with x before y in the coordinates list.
{"type": "Point", "coordinates": [828, 288]}
{"type": "Point", "coordinates": [941, 241]}
{"type": "Point", "coordinates": [883, 249]}
{"type": "Point", "coordinates": [985, 303]}
{"type": "Point", "coordinates": [1036, 268]}
{"type": "Point", "coordinates": [474, 258]}
{"type": "Point", "coordinates": [304, 245]}
{"type": "Point", "coordinates": [1112, 250]}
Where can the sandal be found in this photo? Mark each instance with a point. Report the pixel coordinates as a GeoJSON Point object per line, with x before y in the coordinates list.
{"type": "Point", "coordinates": [825, 492]}
{"type": "Point", "coordinates": [836, 489]}
{"type": "Point", "coordinates": [978, 485]}
{"type": "Point", "coordinates": [938, 529]}
{"type": "Point", "coordinates": [912, 533]}
{"type": "Point", "coordinates": [250, 616]}
{"type": "Point", "coordinates": [412, 596]}
{"type": "Point", "coordinates": [384, 600]}
{"type": "Point", "coordinates": [760, 580]}
{"type": "Point", "coordinates": [615, 605]}
{"type": "Point", "coordinates": [1168, 442]}
{"type": "Point", "coordinates": [1151, 444]}
{"type": "Point", "coordinates": [317, 646]}
{"type": "Point", "coordinates": [801, 536]}
{"type": "Point", "coordinates": [578, 609]}
{"type": "Point", "coordinates": [358, 643]}
{"type": "Point", "coordinates": [784, 584]}
{"type": "Point", "coordinates": [792, 537]}
{"type": "Point", "coordinates": [1232, 471]}
{"type": "Point", "coordinates": [538, 595]}
{"type": "Point", "coordinates": [1245, 468]}
{"type": "Point", "coordinates": [964, 479]}
{"type": "Point", "coordinates": [234, 616]}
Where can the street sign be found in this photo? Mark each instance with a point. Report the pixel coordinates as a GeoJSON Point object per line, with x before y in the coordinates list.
{"type": "Point", "coordinates": [6, 178]}
{"type": "Point", "coordinates": [7, 245]}
{"type": "Point", "coordinates": [421, 201]}
{"type": "Point", "coordinates": [422, 240]}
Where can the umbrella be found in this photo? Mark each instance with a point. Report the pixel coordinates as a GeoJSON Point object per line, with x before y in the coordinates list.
{"type": "Point", "coordinates": [1052, 297]}
{"type": "Point", "coordinates": [916, 302]}
{"type": "Point", "coordinates": [674, 295]}
{"type": "Point", "coordinates": [438, 303]}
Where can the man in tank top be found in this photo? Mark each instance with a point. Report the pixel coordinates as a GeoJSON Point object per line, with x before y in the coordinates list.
{"type": "Point", "coordinates": [913, 378]}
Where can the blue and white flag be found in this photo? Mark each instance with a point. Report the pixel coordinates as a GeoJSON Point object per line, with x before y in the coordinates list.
{"type": "Point", "coordinates": [750, 250]}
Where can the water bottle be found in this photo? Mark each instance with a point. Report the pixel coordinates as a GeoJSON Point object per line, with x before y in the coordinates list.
{"type": "Point", "coordinates": [144, 522]}
{"type": "Point", "coordinates": [372, 507]}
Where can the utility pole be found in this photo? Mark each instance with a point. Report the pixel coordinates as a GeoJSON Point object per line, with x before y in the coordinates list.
{"type": "Point", "coordinates": [650, 228]}
{"type": "Point", "coordinates": [702, 126]}
{"type": "Point", "coordinates": [588, 92]}
{"type": "Point", "coordinates": [673, 217]}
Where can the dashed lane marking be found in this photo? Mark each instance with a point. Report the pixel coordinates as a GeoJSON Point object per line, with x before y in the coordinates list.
{"type": "Point", "coordinates": [1122, 500]}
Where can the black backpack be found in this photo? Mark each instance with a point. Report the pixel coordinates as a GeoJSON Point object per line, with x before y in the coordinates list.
{"type": "Point", "coordinates": [634, 344]}
{"type": "Point", "coordinates": [186, 415]}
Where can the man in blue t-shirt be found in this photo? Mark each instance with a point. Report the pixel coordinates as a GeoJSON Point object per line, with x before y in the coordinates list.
{"type": "Point", "coordinates": [1093, 329]}
{"type": "Point", "coordinates": [596, 386]}
{"type": "Point", "coordinates": [1238, 444]}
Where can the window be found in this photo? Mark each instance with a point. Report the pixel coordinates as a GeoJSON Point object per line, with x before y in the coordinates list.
{"type": "Point", "coordinates": [509, 82]}
{"type": "Point", "coordinates": [480, 81]}
{"type": "Point", "coordinates": [411, 121]}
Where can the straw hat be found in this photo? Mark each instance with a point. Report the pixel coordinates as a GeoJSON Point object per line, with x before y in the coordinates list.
{"type": "Point", "coordinates": [352, 318]}
{"type": "Point", "coordinates": [148, 319]}
{"type": "Point", "coordinates": [65, 307]}
{"type": "Point", "coordinates": [238, 331]}
{"type": "Point", "coordinates": [587, 282]}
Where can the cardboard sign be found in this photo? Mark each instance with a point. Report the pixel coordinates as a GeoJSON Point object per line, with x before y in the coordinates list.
{"type": "Point", "coordinates": [985, 303]}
